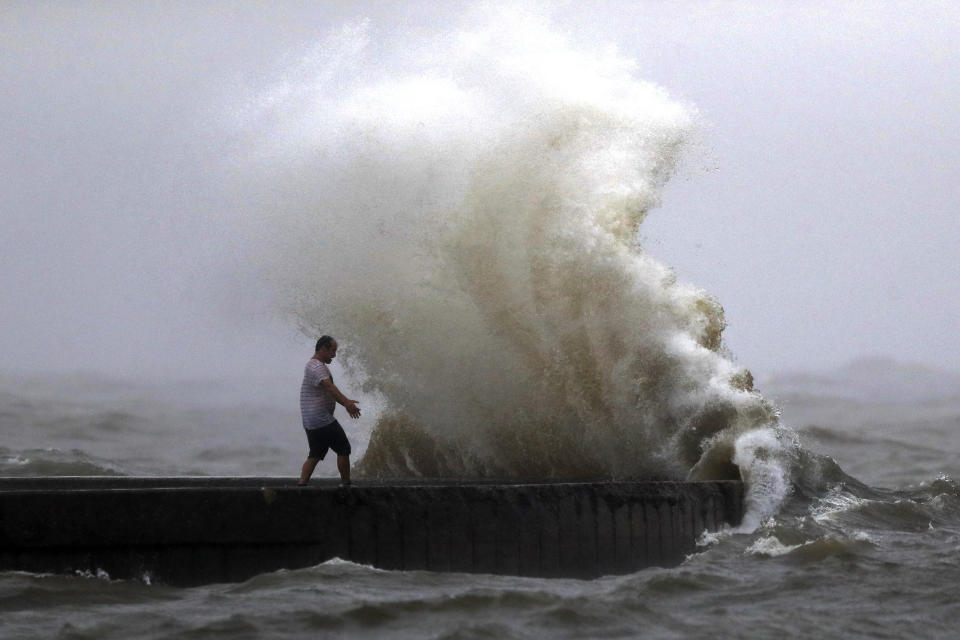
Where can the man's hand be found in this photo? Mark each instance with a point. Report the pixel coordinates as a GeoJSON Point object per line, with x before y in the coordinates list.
{"type": "Point", "coordinates": [352, 408]}
{"type": "Point", "coordinates": [350, 405]}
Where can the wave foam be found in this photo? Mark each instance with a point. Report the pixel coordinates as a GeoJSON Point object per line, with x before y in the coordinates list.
{"type": "Point", "coordinates": [463, 216]}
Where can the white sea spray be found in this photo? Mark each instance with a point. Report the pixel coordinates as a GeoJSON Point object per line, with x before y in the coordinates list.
{"type": "Point", "coordinates": [465, 222]}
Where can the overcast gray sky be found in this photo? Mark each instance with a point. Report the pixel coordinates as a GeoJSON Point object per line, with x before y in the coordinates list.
{"type": "Point", "coordinates": [822, 213]}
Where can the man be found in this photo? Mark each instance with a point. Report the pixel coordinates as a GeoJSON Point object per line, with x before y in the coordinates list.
{"type": "Point", "coordinates": [318, 398]}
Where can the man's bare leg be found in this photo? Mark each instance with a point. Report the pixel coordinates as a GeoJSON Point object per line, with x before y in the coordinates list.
{"type": "Point", "coordinates": [343, 466]}
{"type": "Point", "coordinates": [307, 470]}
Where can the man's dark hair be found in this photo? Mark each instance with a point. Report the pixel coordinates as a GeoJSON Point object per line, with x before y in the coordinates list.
{"type": "Point", "coordinates": [325, 342]}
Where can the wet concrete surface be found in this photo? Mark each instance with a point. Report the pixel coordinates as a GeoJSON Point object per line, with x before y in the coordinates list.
{"type": "Point", "coordinates": [196, 530]}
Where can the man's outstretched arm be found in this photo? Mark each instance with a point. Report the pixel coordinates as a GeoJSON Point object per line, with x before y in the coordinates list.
{"type": "Point", "coordinates": [349, 405]}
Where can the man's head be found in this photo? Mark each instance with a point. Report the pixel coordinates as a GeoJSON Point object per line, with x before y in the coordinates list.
{"type": "Point", "coordinates": [326, 349]}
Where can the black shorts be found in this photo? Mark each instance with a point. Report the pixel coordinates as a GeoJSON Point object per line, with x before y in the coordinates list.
{"type": "Point", "coordinates": [328, 437]}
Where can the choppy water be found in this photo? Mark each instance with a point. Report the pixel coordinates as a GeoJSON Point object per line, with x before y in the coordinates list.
{"type": "Point", "coordinates": [478, 199]}
{"type": "Point", "coordinates": [848, 559]}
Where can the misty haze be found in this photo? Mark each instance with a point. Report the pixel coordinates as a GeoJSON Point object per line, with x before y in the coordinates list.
{"type": "Point", "coordinates": [608, 241]}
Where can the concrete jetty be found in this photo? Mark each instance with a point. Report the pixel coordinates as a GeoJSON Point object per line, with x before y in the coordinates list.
{"type": "Point", "coordinates": [188, 530]}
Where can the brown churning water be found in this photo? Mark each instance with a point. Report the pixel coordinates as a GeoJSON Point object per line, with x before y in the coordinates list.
{"type": "Point", "coordinates": [481, 211]}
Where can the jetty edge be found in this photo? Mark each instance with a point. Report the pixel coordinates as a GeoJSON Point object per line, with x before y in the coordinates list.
{"type": "Point", "coordinates": [187, 531]}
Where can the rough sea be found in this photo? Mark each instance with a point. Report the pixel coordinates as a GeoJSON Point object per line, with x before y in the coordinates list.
{"type": "Point", "coordinates": [874, 554]}
{"type": "Point", "coordinates": [464, 213]}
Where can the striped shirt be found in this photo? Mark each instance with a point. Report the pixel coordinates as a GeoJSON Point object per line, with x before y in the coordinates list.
{"type": "Point", "coordinates": [316, 403]}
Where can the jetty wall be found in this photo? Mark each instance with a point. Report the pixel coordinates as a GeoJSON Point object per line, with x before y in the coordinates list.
{"type": "Point", "coordinates": [187, 531]}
